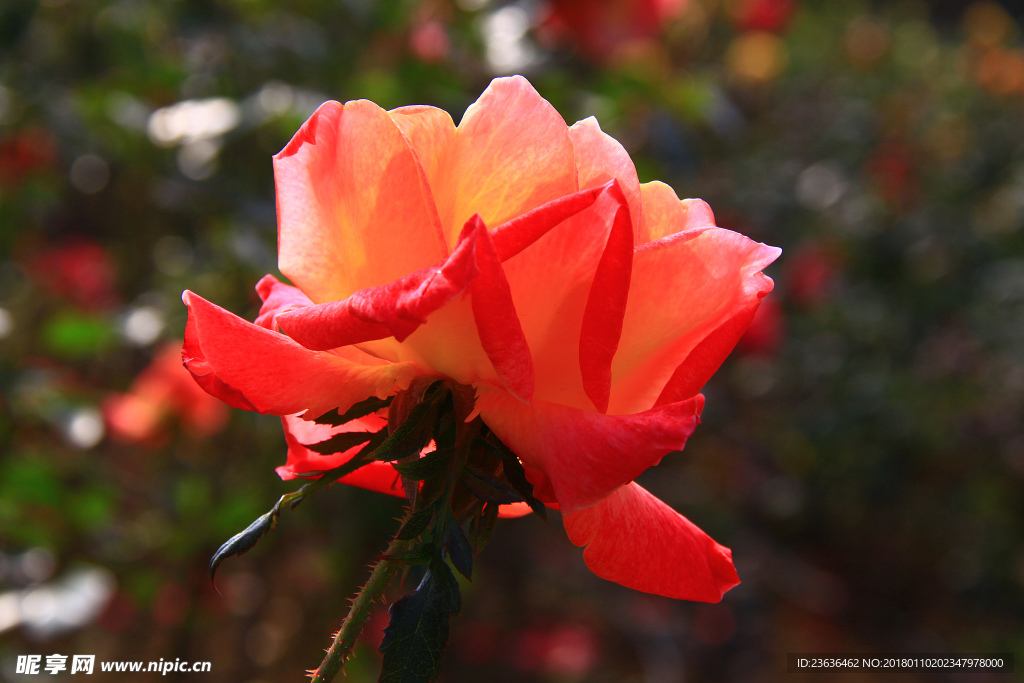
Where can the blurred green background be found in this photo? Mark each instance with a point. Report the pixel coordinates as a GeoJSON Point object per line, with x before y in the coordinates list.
{"type": "Point", "coordinates": [862, 451]}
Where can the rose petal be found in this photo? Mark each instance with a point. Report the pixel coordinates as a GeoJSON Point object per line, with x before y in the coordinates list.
{"type": "Point", "coordinates": [511, 237]}
{"type": "Point", "coordinates": [606, 306]}
{"type": "Point", "coordinates": [636, 540]}
{"type": "Point", "coordinates": [552, 282]}
{"type": "Point", "coordinates": [684, 287]}
{"type": "Point", "coordinates": [514, 510]}
{"type": "Point", "coordinates": [491, 348]}
{"type": "Point", "coordinates": [430, 132]}
{"type": "Point", "coordinates": [578, 457]}
{"type": "Point", "coordinates": [497, 323]}
{"type": "Point", "coordinates": [705, 359]}
{"type": "Point", "coordinates": [280, 298]}
{"type": "Point", "coordinates": [252, 368]}
{"type": "Point", "coordinates": [599, 158]}
{"type": "Point", "coordinates": [277, 298]}
{"type": "Point", "coordinates": [354, 208]}
{"type": "Point", "coordinates": [664, 214]}
{"type": "Point", "coordinates": [511, 153]}
{"type": "Point", "coordinates": [394, 309]}
{"type": "Point", "coordinates": [452, 343]}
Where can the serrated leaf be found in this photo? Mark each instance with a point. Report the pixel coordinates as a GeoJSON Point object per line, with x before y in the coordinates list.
{"type": "Point", "coordinates": [516, 477]}
{"type": "Point", "coordinates": [412, 491]}
{"type": "Point", "coordinates": [361, 409]}
{"type": "Point", "coordinates": [351, 465]}
{"type": "Point", "coordinates": [410, 437]}
{"type": "Point", "coordinates": [459, 549]}
{"type": "Point", "coordinates": [416, 524]}
{"type": "Point", "coordinates": [421, 555]}
{"type": "Point", "coordinates": [427, 466]}
{"type": "Point", "coordinates": [444, 430]}
{"type": "Point", "coordinates": [488, 488]}
{"type": "Point", "coordinates": [339, 443]}
{"type": "Point", "coordinates": [485, 525]}
{"type": "Point", "coordinates": [417, 632]}
{"type": "Point", "coordinates": [244, 541]}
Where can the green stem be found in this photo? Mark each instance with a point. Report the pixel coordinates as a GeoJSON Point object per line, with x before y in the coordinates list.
{"type": "Point", "coordinates": [383, 572]}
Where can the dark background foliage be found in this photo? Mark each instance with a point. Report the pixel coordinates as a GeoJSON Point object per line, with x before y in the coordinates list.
{"type": "Point", "coordinates": [862, 451]}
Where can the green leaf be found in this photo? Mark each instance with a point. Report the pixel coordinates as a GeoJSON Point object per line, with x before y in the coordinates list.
{"type": "Point", "coordinates": [421, 555]}
{"type": "Point", "coordinates": [485, 525]}
{"type": "Point", "coordinates": [488, 488]}
{"type": "Point", "coordinates": [327, 478]}
{"type": "Point", "coordinates": [459, 550]}
{"type": "Point", "coordinates": [361, 409]}
{"type": "Point", "coordinates": [416, 525]}
{"type": "Point", "coordinates": [427, 466]}
{"type": "Point", "coordinates": [516, 476]}
{"type": "Point", "coordinates": [410, 437]}
{"type": "Point", "coordinates": [340, 443]}
{"type": "Point", "coordinates": [417, 633]}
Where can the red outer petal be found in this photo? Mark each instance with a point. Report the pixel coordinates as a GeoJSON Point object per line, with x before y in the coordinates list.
{"type": "Point", "coordinates": [497, 323]}
{"type": "Point", "coordinates": [636, 540]}
{"type": "Point", "coordinates": [684, 287]}
{"type": "Point", "coordinates": [578, 457]}
{"type": "Point", "coordinates": [551, 283]}
{"type": "Point", "coordinates": [277, 298]}
{"type": "Point", "coordinates": [194, 360]}
{"type": "Point", "coordinates": [252, 368]}
{"type": "Point", "coordinates": [513, 510]}
{"type": "Point", "coordinates": [606, 305]}
{"type": "Point", "coordinates": [302, 462]}
{"type": "Point", "coordinates": [705, 359]}
{"type": "Point", "coordinates": [513, 236]}
{"type": "Point", "coordinates": [395, 309]}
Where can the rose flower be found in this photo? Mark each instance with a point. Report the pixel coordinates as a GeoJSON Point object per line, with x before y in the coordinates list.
{"type": "Point", "coordinates": [520, 257]}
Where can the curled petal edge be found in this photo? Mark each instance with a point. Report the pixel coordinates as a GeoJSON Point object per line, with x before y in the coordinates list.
{"type": "Point", "coordinates": [253, 368]}
{"type": "Point", "coordinates": [636, 540]}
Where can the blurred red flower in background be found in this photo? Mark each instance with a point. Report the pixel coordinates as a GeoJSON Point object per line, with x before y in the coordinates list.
{"type": "Point", "coordinates": [767, 330]}
{"type": "Point", "coordinates": [892, 170]}
{"type": "Point", "coordinates": [164, 390]}
{"type": "Point", "coordinates": [428, 38]}
{"type": "Point", "coordinates": [81, 271]}
{"type": "Point", "coordinates": [771, 16]}
{"type": "Point", "coordinates": [562, 651]}
{"type": "Point", "coordinates": [25, 153]}
{"type": "Point", "coordinates": [601, 28]}
{"type": "Point", "coordinates": [811, 273]}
